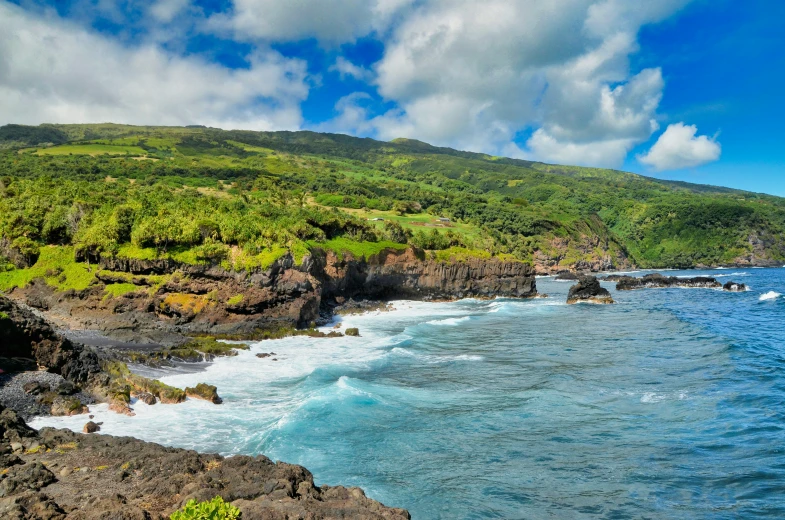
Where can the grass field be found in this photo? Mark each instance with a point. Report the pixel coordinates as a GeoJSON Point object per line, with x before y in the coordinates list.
{"type": "Point", "coordinates": [91, 149]}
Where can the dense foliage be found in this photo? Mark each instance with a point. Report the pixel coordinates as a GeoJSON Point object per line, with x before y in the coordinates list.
{"type": "Point", "coordinates": [215, 509]}
{"type": "Point", "coordinates": [245, 198]}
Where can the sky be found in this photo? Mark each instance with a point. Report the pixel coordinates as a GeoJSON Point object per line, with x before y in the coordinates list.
{"type": "Point", "coordinates": [676, 89]}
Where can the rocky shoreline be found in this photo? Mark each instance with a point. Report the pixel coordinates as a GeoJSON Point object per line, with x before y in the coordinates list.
{"type": "Point", "coordinates": [59, 474]}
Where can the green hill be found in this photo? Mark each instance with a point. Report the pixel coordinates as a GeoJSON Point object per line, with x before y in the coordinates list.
{"type": "Point", "coordinates": [244, 198]}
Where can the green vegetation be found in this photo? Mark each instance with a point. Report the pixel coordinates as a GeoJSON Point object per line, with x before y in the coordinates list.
{"type": "Point", "coordinates": [352, 331]}
{"type": "Point", "coordinates": [72, 194]}
{"type": "Point", "coordinates": [118, 289]}
{"type": "Point", "coordinates": [234, 300]}
{"type": "Point", "coordinates": [56, 265]}
{"type": "Point", "coordinates": [215, 509]}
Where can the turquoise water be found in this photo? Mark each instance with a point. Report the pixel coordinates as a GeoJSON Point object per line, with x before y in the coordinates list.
{"type": "Point", "coordinates": [669, 404]}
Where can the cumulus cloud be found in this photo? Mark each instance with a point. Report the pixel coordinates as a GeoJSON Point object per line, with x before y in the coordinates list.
{"type": "Point", "coordinates": [471, 75]}
{"type": "Point", "coordinates": [329, 21]}
{"type": "Point", "coordinates": [165, 10]}
{"type": "Point", "coordinates": [458, 73]}
{"type": "Point", "coordinates": [53, 71]}
{"type": "Point", "coordinates": [678, 147]}
{"type": "Point", "coordinates": [346, 69]}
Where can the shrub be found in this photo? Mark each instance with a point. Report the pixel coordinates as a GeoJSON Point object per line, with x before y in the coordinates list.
{"type": "Point", "coordinates": [215, 509]}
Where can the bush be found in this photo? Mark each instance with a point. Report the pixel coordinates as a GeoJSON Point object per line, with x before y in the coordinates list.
{"type": "Point", "coordinates": [215, 509]}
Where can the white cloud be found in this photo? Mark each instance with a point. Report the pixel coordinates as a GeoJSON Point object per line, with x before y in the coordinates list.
{"type": "Point", "coordinates": [471, 75]}
{"type": "Point", "coordinates": [346, 68]}
{"type": "Point", "coordinates": [166, 10]}
{"type": "Point", "coordinates": [329, 21]}
{"type": "Point", "coordinates": [53, 71]}
{"type": "Point", "coordinates": [678, 147]}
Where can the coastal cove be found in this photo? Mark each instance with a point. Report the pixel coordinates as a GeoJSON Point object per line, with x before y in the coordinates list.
{"type": "Point", "coordinates": [666, 404]}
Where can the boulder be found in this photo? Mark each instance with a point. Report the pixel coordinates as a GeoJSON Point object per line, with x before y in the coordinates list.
{"type": "Point", "coordinates": [146, 398]}
{"type": "Point", "coordinates": [352, 331]}
{"type": "Point", "coordinates": [588, 290]}
{"type": "Point", "coordinates": [68, 406]}
{"type": "Point", "coordinates": [205, 392]}
{"type": "Point", "coordinates": [66, 388]}
{"type": "Point", "coordinates": [734, 287]}
{"type": "Point", "coordinates": [121, 407]}
{"type": "Point", "coordinates": [91, 427]}
{"type": "Point", "coordinates": [35, 388]}
{"type": "Point", "coordinates": [567, 275]}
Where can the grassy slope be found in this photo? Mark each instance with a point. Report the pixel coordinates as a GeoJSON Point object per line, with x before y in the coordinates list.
{"type": "Point", "coordinates": [658, 223]}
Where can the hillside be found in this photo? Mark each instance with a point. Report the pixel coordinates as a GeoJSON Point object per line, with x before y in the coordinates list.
{"type": "Point", "coordinates": [244, 199]}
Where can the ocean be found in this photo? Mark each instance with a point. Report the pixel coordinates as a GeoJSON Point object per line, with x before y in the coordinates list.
{"type": "Point", "coordinates": [668, 404]}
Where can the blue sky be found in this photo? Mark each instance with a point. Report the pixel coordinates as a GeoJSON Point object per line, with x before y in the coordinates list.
{"type": "Point", "coordinates": [677, 89]}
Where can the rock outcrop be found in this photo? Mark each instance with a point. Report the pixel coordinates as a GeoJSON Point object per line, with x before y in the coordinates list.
{"type": "Point", "coordinates": [734, 287]}
{"type": "Point", "coordinates": [204, 299]}
{"type": "Point", "coordinates": [588, 290]}
{"type": "Point", "coordinates": [60, 475]}
{"type": "Point", "coordinates": [658, 281]}
{"type": "Point", "coordinates": [23, 335]}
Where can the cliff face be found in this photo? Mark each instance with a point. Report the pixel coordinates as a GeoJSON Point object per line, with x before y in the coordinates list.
{"type": "Point", "coordinates": [407, 275]}
{"type": "Point", "coordinates": [213, 300]}
{"type": "Point", "coordinates": [26, 338]}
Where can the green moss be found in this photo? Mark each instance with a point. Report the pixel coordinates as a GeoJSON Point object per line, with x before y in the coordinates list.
{"type": "Point", "coordinates": [213, 347]}
{"type": "Point", "coordinates": [352, 331]}
{"type": "Point", "coordinates": [234, 300]}
{"type": "Point", "coordinates": [56, 266]}
{"type": "Point", "coordinates": [118, 289]}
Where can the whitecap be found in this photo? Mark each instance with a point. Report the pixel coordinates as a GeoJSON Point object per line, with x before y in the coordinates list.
{"type": "Point", "coordinates": [651, 397]}
{"type": "Point", "coordinates": [771, 295]}
{"type": "Point", "coordinates": [448, 321]}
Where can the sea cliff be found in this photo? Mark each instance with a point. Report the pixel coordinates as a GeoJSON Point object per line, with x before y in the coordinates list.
{"type": "Point", "coordinates": [168, 300]}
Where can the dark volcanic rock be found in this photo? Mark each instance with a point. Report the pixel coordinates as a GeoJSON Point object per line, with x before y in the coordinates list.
{"type": "Point", "coordinates": [90, 427]}
{"type": "Point", "coordinates": [588, 290]}
{"type": "Point", "coordinates": [658, 281]}
{"type": "Point", "coordinates": [734, 287]}
{"type": "Point", "coordinates": [100, 476]}
{"type": "Point", "coordinates": [567, 275]}
{"type": "Point", "coordinates": [146, 398]}
{"type": "Point", "coordinates": [35, 388]}
{"type": "Point", "coordinates": [25, 335]}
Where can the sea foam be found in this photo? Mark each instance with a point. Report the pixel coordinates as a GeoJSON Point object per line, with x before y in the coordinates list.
{"type": "Point", "coordinates": [771, 295]}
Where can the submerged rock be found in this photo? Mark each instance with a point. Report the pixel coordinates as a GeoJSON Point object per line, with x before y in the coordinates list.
{"type": "Point", "coordinates": [658, 281]}
{"type": "Point", "coordinates": [146, 398]}
{"type": "Point", "coordinates": [734, 287]}
{"type": "Point", "coordinates": [588, 290]}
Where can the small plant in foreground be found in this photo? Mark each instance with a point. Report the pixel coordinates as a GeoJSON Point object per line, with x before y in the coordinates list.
{"type": "Point", "coordinates": [215, 509]}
